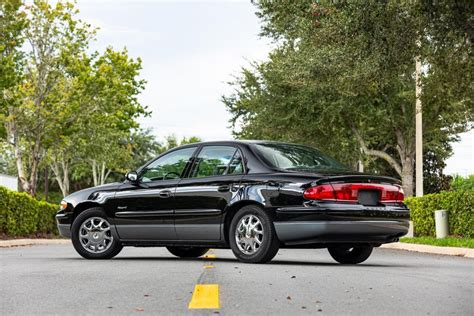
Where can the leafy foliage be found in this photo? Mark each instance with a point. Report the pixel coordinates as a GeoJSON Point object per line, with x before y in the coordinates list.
{"type": "Point", "coordinates": [460, 183]}
{"type": "Point", "coordinates": [460, 207]}
{"type": "Point", "coordinates": [60, 105]}
{"type": "Point", "coordinates": [22, 215]}
{"type": "Point", "coordinates": [341, 79]}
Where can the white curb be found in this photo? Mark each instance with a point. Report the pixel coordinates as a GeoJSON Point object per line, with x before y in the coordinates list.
{"type": "Point", "coordinates": [30, 242]}
{"type": "Point", "coordinates": [448, 251]}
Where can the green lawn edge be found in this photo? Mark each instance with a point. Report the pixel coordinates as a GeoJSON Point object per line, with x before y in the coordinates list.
{"type": "Point", "coordinates": [445, 242]}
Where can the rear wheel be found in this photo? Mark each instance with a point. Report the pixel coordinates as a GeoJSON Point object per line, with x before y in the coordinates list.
{"type": "Point", "coordinates": [91, 235]}
{"type": "Point", "coordinates": [252, 235]}
{"type": "Point", "coordinates": [350, 255]}
{"type": "Point", "coordinates": [187, 252]}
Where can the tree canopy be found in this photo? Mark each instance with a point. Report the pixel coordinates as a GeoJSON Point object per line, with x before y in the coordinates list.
{"type": "Point", "coordinates": [342, 78]}
{"type": "Point", "coordinates": [64, 108]}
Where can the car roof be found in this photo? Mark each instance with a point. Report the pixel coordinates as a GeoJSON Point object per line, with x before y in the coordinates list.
{"type": "Point", "coordinates": [234, 141]}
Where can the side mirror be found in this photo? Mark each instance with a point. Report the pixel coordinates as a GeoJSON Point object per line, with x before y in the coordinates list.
{"type": "Point", "coordinates": [132, 176]}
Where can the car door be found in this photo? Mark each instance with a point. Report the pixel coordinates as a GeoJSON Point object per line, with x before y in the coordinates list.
{"type": "Point", "coordinates": [211, 185]}
{"type": "Point", "coordinates": [144, 210]}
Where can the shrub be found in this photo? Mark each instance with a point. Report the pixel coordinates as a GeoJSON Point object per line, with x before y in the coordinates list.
{"type": "Point", "coordinates": [459, 183]}
{"type": "Point", "coordinates": [22, 215]}
{"type": "Point", "coordinates": [460, 207]}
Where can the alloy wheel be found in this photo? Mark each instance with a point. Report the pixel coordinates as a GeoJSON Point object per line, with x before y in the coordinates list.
{"type": "Point", "coordinates": [95, 235]}
{"type": "Point", "coordinates": [249, 234]}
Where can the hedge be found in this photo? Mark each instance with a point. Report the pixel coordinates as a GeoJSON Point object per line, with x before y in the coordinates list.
{"type": "Point", "coordinates": [460, 207]}
{"type": "Point", "coordinates": [22, 215]}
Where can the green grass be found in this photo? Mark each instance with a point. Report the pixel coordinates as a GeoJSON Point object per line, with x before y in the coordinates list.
{"type": "Point", "coordinates": [446, 242]}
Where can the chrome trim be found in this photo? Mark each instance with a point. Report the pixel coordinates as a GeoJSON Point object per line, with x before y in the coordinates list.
{"type": "Point", "coordinates": [198, 212]}
{"type": "Point", "coordinates": [143, 213]}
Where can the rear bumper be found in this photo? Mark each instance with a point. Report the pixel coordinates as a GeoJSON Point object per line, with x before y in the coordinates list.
{"type": "Point", "coordinates": [363, 231]}
{"type": "Point", "coordinates": [341, 223]}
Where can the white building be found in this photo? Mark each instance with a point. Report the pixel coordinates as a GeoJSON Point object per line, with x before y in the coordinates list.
{"type": "Point", "coordinates": [9, 181]}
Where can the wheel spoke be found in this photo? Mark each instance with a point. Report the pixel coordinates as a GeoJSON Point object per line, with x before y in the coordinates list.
{"type": "Point", "coordinates": [249, 234]}
{"type": "Point", "coordinates": [94, 235]}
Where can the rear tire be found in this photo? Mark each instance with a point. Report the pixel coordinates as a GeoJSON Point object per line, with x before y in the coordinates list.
{"type": "Point", "coordinates": [91, 235]}
{"type": "Point", "coordinates": [187, 252]}
{"type": "Point", "coordinates": [350, 255]}
{"type": "Point", "coordinates": [252, 235]}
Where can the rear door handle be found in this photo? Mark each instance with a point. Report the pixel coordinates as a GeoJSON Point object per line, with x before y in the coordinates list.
{"type": "Point", "coordinates": [165, 194]}
{"type": "Point", "coordinates": [223, 188]}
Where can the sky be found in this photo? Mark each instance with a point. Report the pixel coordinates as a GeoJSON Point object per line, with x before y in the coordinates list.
{"type": "Point", "coordinates": [190, 50]}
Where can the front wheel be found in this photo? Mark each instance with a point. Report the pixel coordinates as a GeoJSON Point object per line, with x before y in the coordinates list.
{"type": "Point", "coordinates": [187, 252]}
{"type": "Point", "coordinates": [91, 235]}
{"type": "Point", "coordinates": [252, 235]}
{"type": "Point", "coordinates": [350, 255]}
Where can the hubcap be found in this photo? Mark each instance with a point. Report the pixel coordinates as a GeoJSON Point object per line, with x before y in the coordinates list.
{"type": "Point", "coordinates": [95, 235]}
{"type": "Point", "coordinates": [249, 234]}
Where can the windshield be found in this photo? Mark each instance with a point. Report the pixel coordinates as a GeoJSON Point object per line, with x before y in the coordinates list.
{"type": "Point", "coordinates": [297, 157]}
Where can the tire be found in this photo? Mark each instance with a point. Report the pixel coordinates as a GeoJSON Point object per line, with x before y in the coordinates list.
{"type": "Point", "coordinates": [350, 255]}
{"type": "Point", "coordinates": [248, 250]}
{"type": "Point", "coordinates": [110, 246]}
{"type": "Point", "coordinates": [187, 252]}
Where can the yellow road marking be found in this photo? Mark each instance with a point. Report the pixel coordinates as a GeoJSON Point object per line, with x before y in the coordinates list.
{"type": "Point", "coordinates": [210, 256]}
{"type": "Point", "coordinates": [209, 267]}
{"type": "Point", "coordinates": [205, 296]}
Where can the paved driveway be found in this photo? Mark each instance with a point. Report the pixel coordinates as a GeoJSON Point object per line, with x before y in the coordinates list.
{"type": "Point", "coordinates": [55, 280]}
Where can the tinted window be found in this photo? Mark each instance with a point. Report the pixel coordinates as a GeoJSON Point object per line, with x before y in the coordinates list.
{"type": "Point", "coordinates": [217, 161]}
{"type": "Point", "coordinates": [297, 157]}
{"type": "Point", "coordinates": [169, 166]}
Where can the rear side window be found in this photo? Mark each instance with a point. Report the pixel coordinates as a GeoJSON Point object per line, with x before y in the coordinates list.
{"type": "Point", "coordinates": [297, 157]}
{"type": "Point", "coordinates": [217, 161]}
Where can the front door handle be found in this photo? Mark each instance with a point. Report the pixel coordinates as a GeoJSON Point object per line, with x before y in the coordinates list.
{"type": "Point", "coordinates": [165, 194]}
{"type": "Point", "coordinates": [223, 188]}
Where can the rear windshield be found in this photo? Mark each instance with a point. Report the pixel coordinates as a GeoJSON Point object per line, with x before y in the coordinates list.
{"type": "Point", "coordinates": [297, 157]}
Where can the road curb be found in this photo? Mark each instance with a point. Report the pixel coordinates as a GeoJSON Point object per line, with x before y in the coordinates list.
{"type": "Point", "coordinates": [447, 251]}
{"type": "Point", "coordinates": [31, 242]}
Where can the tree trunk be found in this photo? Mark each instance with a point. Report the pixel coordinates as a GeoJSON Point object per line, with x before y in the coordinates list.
{"type": "Point", "coordinates": [46, 183]}
{"type": "Point", "coordinates": [94, 173]}
{"type": "Point", "coordinates": [407, 176]}
{"type": "Point", "coordinates": [406, 151]}
{"type": "Point", "coordinates": [61, 173]}
{"type": "Point", "coordinates": [18, 153]}
{"type": "Point", "coordinates": [102, 174]}
{"type": "Point", "coordinates": [99, 172]}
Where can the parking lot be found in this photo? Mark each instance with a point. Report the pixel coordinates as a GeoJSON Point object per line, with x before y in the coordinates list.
{"type": "Point", "coordinates": [53, 279]}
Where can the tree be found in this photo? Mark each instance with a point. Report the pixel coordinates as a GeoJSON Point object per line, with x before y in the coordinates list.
{"type": "Point", "coordinates": [101, 93]}
{"type": "Point", "coordinates": [12, 24]}
{"type": "Point", "coordinates": [61, 106]}
{"type": "Point", "coordinates": [51, 35]}
{"type": "Point", "coordinates": [342, 78]}
{"type": "Point", "coordinates": [171, 142]}
{"type": "Point", "coordinates": [144, 147]}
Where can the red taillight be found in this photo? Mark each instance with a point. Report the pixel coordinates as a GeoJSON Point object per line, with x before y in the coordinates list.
{"type": "Point", "coordinates": [320, 192]}
{"type": "Point", "coordinates": [350, 192]}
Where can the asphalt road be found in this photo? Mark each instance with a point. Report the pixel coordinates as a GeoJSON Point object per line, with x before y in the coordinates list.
{"type": "Point", "coordinates": [55, 280]}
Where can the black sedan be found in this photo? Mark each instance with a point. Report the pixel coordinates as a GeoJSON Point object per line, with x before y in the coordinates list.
{"type": "Point", "coordinates": [251, 196]}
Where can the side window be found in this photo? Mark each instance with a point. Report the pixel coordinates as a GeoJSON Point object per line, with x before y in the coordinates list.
{"type": "Point", "coordinates": [170, 166]}
{"type": "Point", "coordinates": [217, 161]}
